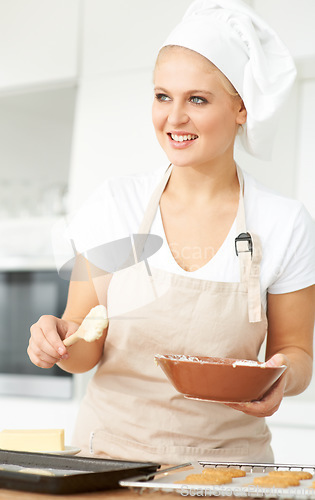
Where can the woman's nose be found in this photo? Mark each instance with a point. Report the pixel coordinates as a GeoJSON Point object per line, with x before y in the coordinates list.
{"type": "Point", "coordinates": [177, 114]}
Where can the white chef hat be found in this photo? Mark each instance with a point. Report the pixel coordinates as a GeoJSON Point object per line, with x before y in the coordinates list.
{"type": "Point", "coordinates": [250, 54]}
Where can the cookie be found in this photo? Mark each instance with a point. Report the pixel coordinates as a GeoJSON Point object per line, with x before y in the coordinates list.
{"type": "Point", "coordinates": [276, 481]}
{"type": "Point", "coordinates": [206, 479]}
{"type": "Point", "coordinates": [228, 471]}
{"type": "Point", "coordinates": [299, 474]}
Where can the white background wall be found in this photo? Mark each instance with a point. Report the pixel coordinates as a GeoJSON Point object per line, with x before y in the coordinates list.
{"type": "Point", "coordinates": [92, 62]}
{"type": "Point", "coordinates": [38, 42]}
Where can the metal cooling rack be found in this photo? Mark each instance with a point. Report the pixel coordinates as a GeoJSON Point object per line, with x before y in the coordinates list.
{"type": "Point", "coordinates": [168, 480]}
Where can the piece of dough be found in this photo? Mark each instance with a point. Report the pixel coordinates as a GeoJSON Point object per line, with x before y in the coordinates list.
{"type": "Point", "coordinates": [42, 472]}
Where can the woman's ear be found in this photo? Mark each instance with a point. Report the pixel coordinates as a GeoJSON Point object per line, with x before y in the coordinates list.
{"type": "Point", "coordinates": [242, 113]}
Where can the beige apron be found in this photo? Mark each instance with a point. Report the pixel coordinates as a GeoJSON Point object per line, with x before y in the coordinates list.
{"type": "Point", "coordinates": [131, 411]}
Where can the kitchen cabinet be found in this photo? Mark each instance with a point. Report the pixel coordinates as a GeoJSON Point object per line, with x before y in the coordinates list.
{"type": "Point", "coordinates": [35, 144]}
{"type": "Point", "coordinates": [38, 42]}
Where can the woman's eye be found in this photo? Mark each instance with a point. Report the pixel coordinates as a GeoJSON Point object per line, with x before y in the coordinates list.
{"type": "Point", "coordinates": [197, 100]}
{"type": "Point", "coordinates": [162, 97]}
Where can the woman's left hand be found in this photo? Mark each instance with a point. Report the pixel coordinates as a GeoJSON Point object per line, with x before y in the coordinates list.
{"type": "Point", "coordinates": [271, 401]}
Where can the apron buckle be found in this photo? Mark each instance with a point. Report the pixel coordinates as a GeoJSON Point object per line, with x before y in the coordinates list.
{"type": "Point", "coordinates": [244, 237]}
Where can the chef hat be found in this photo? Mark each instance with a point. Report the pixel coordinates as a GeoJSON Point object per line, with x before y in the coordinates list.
{"type": "Point", "coordinates": [250, 54]}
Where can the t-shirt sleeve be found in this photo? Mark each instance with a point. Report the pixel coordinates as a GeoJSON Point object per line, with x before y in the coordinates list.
{"type": "Point", "coordinates": [101, 228]}
{"type": "Point", "coordinates": [297, 269]}
{"type": "Point", "coordinates": [96, 223]}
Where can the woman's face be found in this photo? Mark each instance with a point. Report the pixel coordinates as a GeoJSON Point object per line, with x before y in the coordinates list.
{"type": "Point", "coordinates": [194, 117]}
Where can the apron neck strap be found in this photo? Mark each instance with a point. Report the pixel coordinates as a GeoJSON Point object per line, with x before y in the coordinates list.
{"type": "Point", "coordinates": [152, 207]}
{"type": "Point", "coordinates": [240, 215]}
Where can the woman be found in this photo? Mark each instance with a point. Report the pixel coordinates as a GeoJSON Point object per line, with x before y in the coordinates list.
{"type": "Point", "coordinates": [221, 73]}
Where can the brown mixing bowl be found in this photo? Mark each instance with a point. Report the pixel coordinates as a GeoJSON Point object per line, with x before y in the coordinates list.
{"type": "Point", "coordinates": [218, 379]}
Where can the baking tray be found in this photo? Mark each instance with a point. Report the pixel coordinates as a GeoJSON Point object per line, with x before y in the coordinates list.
{"type": "Point", "coordinates": [166, 481]}
{"type": "Point", "coordinates": [67, 474]}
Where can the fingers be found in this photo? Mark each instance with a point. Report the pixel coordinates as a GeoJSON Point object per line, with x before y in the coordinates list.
{"type": "Point", "coordinates": [268, 405]}
{"type": "Point", "coordinates": [277, 360]}
{"type": "Point", "coordinates": [45, 345]}
{"type": "Point", "coordinates": [257, 408]}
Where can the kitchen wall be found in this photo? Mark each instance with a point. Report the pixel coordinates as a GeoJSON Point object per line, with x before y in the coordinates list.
{"type": "Point", "coordinates": [75, 98]}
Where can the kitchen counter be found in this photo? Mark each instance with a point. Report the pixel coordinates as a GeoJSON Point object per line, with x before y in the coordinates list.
{"type": "Point", "coordinates": [122, 493]}
{"type": "Point", "coordinates": [108, 495]}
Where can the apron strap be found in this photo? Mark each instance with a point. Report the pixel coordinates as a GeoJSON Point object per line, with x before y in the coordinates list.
{"type": "Point", "coordinates": [145, 226]}
{"type": "Point", "coordinates": [248, 250]}
{"type": "Point", "coordinates": [150, 212]}
{"type": "Point", "coordinates": [138, 244]}
{"type": "Point", "coordinates": [249, 253]}
{"type": "Point", "coordinates": [254, 298]}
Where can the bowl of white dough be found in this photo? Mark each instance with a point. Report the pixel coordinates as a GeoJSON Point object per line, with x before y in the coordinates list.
{"type": "Point", "coordinates": [222, 380]}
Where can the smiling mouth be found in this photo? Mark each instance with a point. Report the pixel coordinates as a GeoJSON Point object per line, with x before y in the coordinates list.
{"type": "Point", "coordinates": [183, 138]}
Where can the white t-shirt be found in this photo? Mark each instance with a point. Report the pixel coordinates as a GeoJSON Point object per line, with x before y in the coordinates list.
{"type": "Point", "coordinates": [285, 228]}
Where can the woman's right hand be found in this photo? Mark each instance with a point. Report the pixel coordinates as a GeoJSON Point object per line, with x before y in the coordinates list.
{"type": "Point", "coordinates": [45, 347]}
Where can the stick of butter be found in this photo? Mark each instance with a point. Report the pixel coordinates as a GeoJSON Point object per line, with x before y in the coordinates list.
{"type": "Point", "coordinates": [32, 440]}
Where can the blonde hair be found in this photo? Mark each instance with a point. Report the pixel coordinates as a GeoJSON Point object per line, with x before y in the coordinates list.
{"type": "Point", "coordinates": [230, 89]}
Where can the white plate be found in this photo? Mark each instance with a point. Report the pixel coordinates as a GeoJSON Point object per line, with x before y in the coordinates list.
{"type": "Point", "coordinates": [69, 450]}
